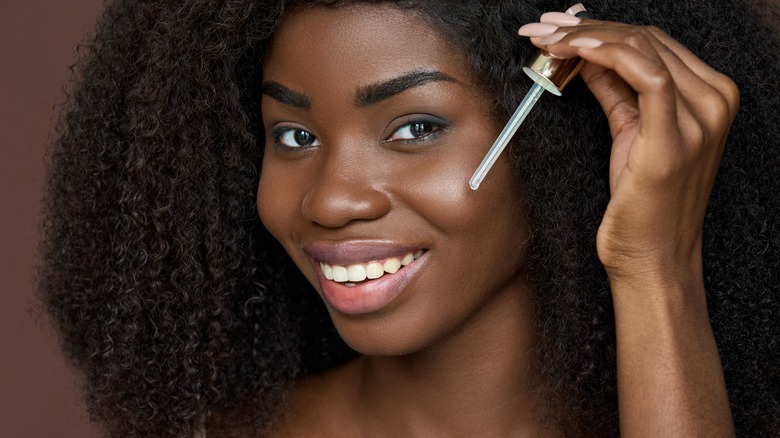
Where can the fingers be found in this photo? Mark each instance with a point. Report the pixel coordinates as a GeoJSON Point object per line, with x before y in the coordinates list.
{"type": "Point", "coordinates": [617, 98]}
{"type": "Point", "coordinates": [708, 92]}
{"type": "Point", "coordinates": [717, 80]}
{"type": "Point", "coordinates": [647, 76]}
{"type": "Point", "coordinates": [646, 62]}
{"type": "Point", "coordinates": [700, 85]}
{"type": "Point", "coordinates": [669, 112]}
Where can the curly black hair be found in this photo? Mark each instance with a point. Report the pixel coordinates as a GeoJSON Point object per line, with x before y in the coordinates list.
{"type": "Point", "coordinates": [184, 313]}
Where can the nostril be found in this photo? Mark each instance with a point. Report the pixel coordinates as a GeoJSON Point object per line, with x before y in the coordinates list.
{"type": "Point", "coordinates": [337, 202]}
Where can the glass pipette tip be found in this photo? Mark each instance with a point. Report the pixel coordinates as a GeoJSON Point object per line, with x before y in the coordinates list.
{"type": "Point", "coordinates": [509, 130]}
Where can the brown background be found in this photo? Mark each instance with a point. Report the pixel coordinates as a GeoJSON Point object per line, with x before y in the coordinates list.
{"type": "Point", "coordinates": [38, 395]}
{"type": "Point", "coordinates": [38, 391]}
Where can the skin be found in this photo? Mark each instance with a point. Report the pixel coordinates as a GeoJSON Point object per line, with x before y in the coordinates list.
{"type": "Point", "coordinates": [669, 115]}
{"type": "Point", "coordinates": [452, 354]}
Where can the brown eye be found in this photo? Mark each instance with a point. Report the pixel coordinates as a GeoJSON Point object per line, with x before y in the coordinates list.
{"type": "Point", "coordinates": [295, 137]}
{"type": "Point", "coordinates": [420, 129]}
{"type": "Point", "coordinates": [416, 130]}
{"type": "Point", "coordinates": [303, 138]}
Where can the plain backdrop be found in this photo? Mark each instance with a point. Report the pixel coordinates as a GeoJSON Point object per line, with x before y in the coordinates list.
{"type": "Point", "coordinates": [38, 390]}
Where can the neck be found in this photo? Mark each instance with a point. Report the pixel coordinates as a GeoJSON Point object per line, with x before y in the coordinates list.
{"type": "Point", "coordinates": [480, 381]}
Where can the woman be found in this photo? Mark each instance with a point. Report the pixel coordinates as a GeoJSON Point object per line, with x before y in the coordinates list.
{"type": "Point", "coordinates": [584, 277]}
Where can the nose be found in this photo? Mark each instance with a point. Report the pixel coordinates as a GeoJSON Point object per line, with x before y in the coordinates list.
{"type": "Point", "coordinates": [345, 188]}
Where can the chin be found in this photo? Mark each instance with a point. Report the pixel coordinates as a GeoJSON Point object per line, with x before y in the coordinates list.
{"type": "Point", "coordinates": [378, 337]}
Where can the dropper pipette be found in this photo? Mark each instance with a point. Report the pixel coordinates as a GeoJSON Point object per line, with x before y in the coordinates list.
{"type": "Point", "coordinates": [509, 130]}
{"type": "Point", "coordinates": [548, 73]}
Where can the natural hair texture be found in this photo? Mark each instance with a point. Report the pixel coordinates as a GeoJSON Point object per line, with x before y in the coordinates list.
{"type": "Point", "coordinates": [180, 308]}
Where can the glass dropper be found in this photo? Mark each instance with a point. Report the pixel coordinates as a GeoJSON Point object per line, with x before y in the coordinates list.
{"type": "Point", "coordinates": [548, 73]}
{"type": "Point", "coordinates": [509, 130]}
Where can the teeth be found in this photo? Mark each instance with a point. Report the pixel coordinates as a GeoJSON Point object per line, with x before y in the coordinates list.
{"type": "Point", "coordinates": [392, 265]}
{"type": "Point", "coordinates": [340, 274]}
{"type": "Point", "coordinates": [356, 272]}
{"type": "Point", "coordinates": [327, 271]}
{"type": "Point", "coordinates": [372, 270]}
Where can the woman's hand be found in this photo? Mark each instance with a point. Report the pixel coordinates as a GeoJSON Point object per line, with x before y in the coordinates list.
{"type": "Point", "coordinates": [669, 116]}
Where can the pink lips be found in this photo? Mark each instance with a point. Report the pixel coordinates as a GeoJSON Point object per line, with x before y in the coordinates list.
{"type": "Point", "coordinates": [371, 295]}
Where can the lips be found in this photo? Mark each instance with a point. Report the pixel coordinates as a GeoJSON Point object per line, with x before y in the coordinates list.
{"type": "Point", "coordinates": [363, 277]}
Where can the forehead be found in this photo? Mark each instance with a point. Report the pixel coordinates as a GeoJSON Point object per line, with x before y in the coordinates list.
{"type": "Point", "coordinates": [359, 43]}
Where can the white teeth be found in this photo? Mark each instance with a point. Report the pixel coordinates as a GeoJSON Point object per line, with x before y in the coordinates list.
{"type": "Point", "coordinates": [327, 271]}
{"type": "Point", "coordinates": [392, 265]}
{"type": "Point", "coordinates": [374, 270]}
{"type": "Point", "coordinates": [340, 274]}
{"type": "Point", "coordinates": [356, 272]}
{"type": "Point", "coordinates": [371, 270]}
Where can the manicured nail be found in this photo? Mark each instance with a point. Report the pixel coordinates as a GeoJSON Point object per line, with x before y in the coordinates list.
{"type": "Point", "coordinates": [552, 39]}
{"type": "Point", "coordinates": [537, 29]}
{"type": "Point", "coordinates": [585, 43]}
{"type": "Point", "coordinates": [576, 9]}
{"type": "Point", "coordinates": [559, 19]}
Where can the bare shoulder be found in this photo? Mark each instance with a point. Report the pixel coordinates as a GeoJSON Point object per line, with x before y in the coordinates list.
{"type": "Point", "coordinates": [320, 405]}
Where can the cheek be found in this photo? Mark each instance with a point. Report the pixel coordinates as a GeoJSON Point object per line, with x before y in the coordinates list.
{"type": "Point", "coordinates": [278, 206]}
{"type": "Point", "coordinates": [483, 230]}
{"type": "Point", "coordinates": [275, 201]}
{"type": "Point", "coordinates": [439, 191]}
{"type": "Point", "coordinates": [265, 204]}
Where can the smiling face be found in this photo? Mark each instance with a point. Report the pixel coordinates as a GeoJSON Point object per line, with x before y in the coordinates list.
{"type": "Point", "coordinates": [374, 125]}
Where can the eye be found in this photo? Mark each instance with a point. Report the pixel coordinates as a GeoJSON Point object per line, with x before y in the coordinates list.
{"type": "Point", "coordinates": [416, 130]}
{"type": "Point", "coordinates": [294, 137]}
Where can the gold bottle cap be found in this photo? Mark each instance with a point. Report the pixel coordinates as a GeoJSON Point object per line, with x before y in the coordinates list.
{"type": "Point", "coordinates": [552, 73]}
{"type": "Point", "coordinates": [555, 73]}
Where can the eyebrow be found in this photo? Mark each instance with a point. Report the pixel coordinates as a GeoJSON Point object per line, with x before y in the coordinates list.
{"type": "Point", "coordinates": [285, 95]}
{"type": "Point", "coordinates": [375, 93]}
{"type": "Point", "coordinates": [365, 96]}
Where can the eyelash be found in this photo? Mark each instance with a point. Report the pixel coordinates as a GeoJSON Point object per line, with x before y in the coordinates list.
{"type": "Point", "coordinates": [437, 127]}
{"type": "Point", "coordinates": [279, 131]}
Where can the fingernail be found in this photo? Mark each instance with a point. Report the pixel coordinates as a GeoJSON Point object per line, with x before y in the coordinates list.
{"type": "Point", "coordinates": [552, 39]}
{"type": "Point", "coordinates": [576, 9]}
{"type": "Point", "coordinates": [559, 19]}
{"type": "Point", "coordinates": [537, 29]}
{"type": "Point", "coordinates": [585, 43]}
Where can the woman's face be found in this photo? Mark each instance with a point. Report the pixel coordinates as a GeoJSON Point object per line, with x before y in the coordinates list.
{"type": "Point", "coordinates": [374, 125]}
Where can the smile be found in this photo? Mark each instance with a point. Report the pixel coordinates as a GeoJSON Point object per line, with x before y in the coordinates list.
{"type": "Point", "coordinates": [372, 270]}
{"type": "Point", "coordinates": [358, 277]}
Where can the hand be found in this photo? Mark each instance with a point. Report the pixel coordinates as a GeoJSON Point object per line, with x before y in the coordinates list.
{"type": "Point", "coordinates": [669, 116]}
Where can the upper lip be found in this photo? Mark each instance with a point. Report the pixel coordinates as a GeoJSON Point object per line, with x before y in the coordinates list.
{"type": "Point", "coordinates": [356, 251]}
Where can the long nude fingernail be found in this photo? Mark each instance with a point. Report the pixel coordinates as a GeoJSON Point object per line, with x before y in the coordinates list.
{"type": "Point", "coordinates": [552, 39]}
{"type": "Point", "coordinates": [537, 29]}
{"type": "Point", "coordinates": [585, 43]}
{"type": "Point", "coordinates": [559, 19]}
{"type": "Point", "coordinates": [576, 9]}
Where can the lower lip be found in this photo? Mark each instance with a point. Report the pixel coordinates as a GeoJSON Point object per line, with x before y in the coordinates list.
{"type": "Point", "coordinates": [370, 296]}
